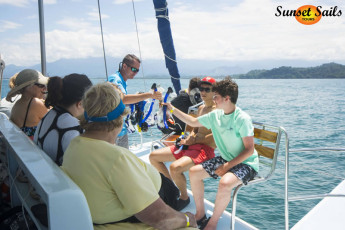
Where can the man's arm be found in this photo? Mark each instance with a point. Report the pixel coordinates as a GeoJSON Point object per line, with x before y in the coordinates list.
{"type": "Point", "coordinates": [189, 120]}
{"type": "Point", "coordinates": [161, 216]}
{"type": "Point", "coordinates": [134, 98]}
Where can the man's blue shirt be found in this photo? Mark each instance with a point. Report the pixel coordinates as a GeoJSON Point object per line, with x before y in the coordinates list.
{"type": "Point", "coordinates": [117, 79]}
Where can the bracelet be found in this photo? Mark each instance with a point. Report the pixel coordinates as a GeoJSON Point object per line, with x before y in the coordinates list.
{"type": "Point", "coordinates": [172, 110]}
{"type": "Point", "coordinates": [187, 219]}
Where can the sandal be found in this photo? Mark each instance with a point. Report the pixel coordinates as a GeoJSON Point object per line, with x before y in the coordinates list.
{"type": "Point", "coordinates": [199, 222]}
{"type": "Point", "coordinates": [204, 223]}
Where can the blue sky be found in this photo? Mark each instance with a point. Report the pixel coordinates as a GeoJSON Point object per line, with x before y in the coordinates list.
{"type": "Point", "coordinates": [230, 30]}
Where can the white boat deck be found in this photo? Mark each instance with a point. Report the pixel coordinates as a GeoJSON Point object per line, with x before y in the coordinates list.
{"type": "Point", "coordinates": [328, 214]}
{"type": "Point", "coordinates": [225, 221]}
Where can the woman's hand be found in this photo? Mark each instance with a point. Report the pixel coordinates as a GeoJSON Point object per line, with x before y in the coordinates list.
{"type": "Point", "coordinates": [192, 220]}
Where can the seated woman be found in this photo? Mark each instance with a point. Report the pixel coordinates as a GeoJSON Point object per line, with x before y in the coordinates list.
{"type": "Point", "coordinates": [60, 125]}
{"type": "Point", "coordinates": [198, 147]}
{"type": "Point", "coordinates": [118, 186]}
{"type": "Point", "coordinates": [29, 109]}
{"type": "Point", "coordinates": [6, 106]}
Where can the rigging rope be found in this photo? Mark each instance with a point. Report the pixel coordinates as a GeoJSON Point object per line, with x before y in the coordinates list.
{"type": "Point", "coordinates": [100, 23]}
{"type": "Point", "coordinates": [136, 27]}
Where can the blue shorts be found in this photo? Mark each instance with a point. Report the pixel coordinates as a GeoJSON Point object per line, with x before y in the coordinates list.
{"type": "Point", "coordinates": [242, 171]}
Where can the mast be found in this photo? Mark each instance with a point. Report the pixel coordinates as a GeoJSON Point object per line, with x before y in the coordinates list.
{"type": "Point", "coordinates": [165, 35]}
{"type": "Point", "coordinates": [42, 37]}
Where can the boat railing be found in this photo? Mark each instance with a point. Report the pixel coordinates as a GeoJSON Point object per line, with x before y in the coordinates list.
{"type": "Point", "coordinates": [303, 197]}
{"type": "Point", "coordinates": [65, 204]}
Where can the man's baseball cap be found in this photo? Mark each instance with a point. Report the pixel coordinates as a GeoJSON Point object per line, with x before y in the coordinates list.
{"type": "Point", "coordinates": [207, 80]}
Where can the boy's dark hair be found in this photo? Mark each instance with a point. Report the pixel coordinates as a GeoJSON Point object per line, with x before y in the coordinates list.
{"type": "Point", "coordinates": [226, 87]}
{"type": "Point", "coordinates": [194, 83]}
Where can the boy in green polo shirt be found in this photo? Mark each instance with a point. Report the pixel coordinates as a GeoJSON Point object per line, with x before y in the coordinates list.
{"type": "Point", "coordinates": [238, 162]}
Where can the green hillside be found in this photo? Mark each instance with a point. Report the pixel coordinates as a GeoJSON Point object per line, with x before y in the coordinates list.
{"type": "Point", "coordinates": [329, 70]}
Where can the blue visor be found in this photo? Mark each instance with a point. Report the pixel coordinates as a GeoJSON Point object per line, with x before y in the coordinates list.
{"type": "Point", "coordinates": [110, 116]}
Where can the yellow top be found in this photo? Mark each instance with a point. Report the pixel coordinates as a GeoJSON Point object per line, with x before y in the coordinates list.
{"type": "Point", "coordinates": [116, 183]}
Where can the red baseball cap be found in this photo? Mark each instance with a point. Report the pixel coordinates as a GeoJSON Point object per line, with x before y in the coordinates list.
{"type": "Point", "coordinates": [208, 80]}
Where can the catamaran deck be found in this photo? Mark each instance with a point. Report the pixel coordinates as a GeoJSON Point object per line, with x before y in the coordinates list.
{"type": "Point", "coordinates": [328, 214]}
{"type": "Point", "coordinates": [142, 151]}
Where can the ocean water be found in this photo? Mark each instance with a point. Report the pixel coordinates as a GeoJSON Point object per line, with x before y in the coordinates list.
{"type": "Point", "coordinates": [313, 114]}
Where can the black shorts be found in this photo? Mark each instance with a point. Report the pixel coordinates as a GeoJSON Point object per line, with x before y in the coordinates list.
{"type": "Point", "coordinates": [242, 171]}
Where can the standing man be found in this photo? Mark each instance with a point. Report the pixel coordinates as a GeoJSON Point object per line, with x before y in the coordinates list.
{"type": "Point", "coordinates": [128, 68]}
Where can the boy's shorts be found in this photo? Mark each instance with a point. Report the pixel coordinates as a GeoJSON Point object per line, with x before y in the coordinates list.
{"type": "Point", "coordinates": [242, 171]}
{"type": "Point", "coordinates": [198, 152]}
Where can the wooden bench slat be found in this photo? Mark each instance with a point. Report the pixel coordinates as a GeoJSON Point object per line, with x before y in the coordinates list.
{"type": "Point", "coordinates": [264, 151]}
{"type": "Point", "coordinates": [265, 135]}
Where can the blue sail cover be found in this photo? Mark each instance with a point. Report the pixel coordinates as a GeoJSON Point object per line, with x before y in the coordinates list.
{"type": "Point", "coordinates": [167, 42]}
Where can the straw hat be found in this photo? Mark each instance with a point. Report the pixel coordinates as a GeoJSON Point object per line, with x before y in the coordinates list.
{"type": "Point", "coordinates": [25, 78]}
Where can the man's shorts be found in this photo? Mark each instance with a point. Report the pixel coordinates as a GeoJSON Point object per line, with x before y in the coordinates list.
{"type": "Point", "coordinates": [242, 171]}
{"type": "Point", "coordinates": [198, 152]}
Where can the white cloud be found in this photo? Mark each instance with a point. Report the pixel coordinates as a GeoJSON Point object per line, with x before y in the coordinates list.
{"type": "Point", "coordinates": [7, 25]}
{"type": "Point", "coordinates": [20, 3]}
{"type": "Point", "coordinates": [120, 2]}
{"type": "Point", "coordinates": [94, 15]}
{"type": "Point", "coordinates": [245, 31]}
{"type": "Point", "coordinates": [49, 2]}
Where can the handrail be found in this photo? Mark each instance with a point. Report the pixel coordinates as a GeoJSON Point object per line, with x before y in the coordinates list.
{"type": "Point", "coordinates": [305, 197]}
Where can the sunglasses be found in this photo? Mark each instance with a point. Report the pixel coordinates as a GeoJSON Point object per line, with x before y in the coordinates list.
{"type": "Point", "coordinates": [207, 90]}
{"type": "Point", "coordinates": [133, 69]}
{"type": "Point", "coordinates": [40, 85]}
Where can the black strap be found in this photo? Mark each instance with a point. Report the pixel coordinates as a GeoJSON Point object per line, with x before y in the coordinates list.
{"type": "Point", "coordinates": [59, 111]}
{"type": "Point", "coordinates": [27, 111]}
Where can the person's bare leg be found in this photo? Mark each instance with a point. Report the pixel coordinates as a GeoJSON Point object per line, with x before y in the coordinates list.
{"type": "Point", "coordinates": [196, 175]}
{"type": "Point", "coordinates": [223, 197]}
{"type": "Point", "coordinates": [158, 157]}
{"type": "Point", "coordinates": [176, 171]}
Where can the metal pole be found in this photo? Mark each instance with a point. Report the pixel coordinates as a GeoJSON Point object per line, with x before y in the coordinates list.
{"type": "Point", "coordinates": [286, 192]}
{"type": "Point", "coordinates": [2, 67]}
{"type": "Point", "coordinates": [105, 60]}
{"type": "Point", "coordinates": [42, 37]}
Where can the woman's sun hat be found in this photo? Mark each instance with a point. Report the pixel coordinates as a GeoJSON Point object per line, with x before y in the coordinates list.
{"type": "Point", "coordinates": [25, 78]}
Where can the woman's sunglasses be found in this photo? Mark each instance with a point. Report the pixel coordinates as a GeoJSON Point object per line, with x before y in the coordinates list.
{"type": "Point", "coordinates": [40, 85]}
{"type": "Point", "coordinates": [207, 90]}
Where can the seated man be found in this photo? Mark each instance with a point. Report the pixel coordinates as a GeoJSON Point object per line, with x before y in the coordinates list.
{"type": "Point", "coordinates": [200, 145]}
{"type": "Point", "coordinates": [183, 101]}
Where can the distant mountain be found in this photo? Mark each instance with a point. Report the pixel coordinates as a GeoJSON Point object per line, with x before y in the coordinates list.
{"type": "Point", "coordinates": [330, 70]}
{"type": "Point", "coordinates": [94, 68]}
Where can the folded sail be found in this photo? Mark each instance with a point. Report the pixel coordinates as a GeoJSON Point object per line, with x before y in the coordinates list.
{"type": "Point", "coordinates": [165, 35]}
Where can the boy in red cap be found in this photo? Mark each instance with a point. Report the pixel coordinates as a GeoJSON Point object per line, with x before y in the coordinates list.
{"type": "Point", "coordinates": [197, 147]}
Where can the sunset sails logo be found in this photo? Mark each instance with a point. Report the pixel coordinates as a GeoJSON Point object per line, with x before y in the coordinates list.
{"type": "Point", "coordinates": [309, 14]}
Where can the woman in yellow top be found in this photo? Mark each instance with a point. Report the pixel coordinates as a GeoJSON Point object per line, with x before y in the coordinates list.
{"type": "Point", "coordinates": [118, 186]}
